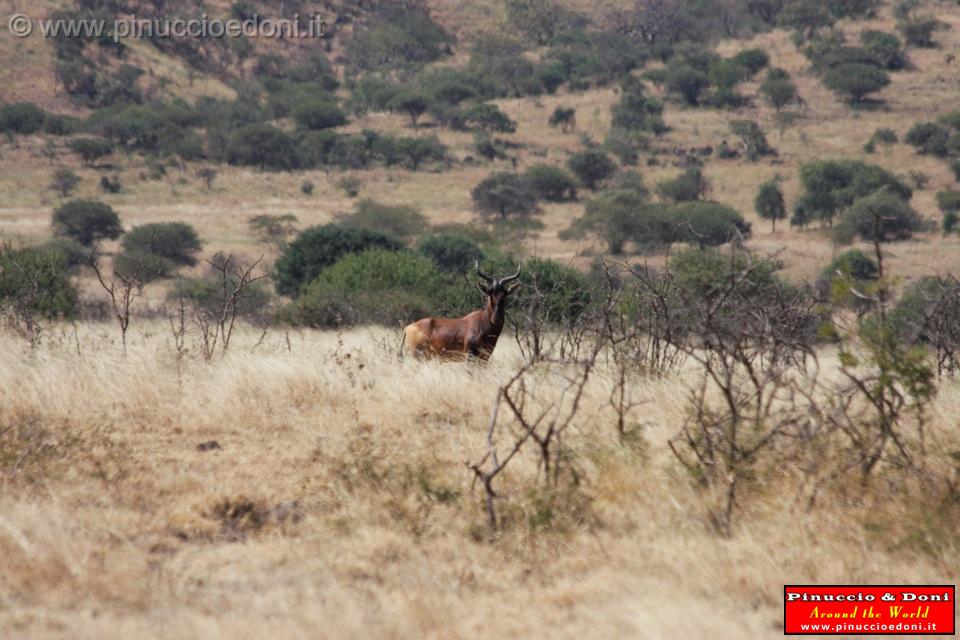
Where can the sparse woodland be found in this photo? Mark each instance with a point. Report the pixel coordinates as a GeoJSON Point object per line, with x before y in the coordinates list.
{"type": "Point", "coordinates": [732, 363]}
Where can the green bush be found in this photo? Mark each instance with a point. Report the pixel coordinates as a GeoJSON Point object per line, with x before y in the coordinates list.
{"type": "Point", "coordinates": [377, 285]}
{"type": "Point", "coordinates": [263, 146]}
{"type": "Point", "coordinates": [918, 32]}
{"type": "Point", "coordinates": [637, 111]}
{"type": "Point", "coordinates": [488, 117]}
{"type": "Point", "coordinates": [87, 221]}
{"type": "Point", "coordinates": [142, 266]}
{"type": "Point", "coordinates": [705, 273]}
{"type": "Point", "coordinates": [753, 60]}
{"type": "Point", "coordinates": [36, 281]}
{"type": "Point", "coordinates": [173, 241]}
{"type": "Point", "coordinates": [948, 201]}
{"type": "Point", "coordinates": [754, 139]}
{"type": "Point", "coordinates": [770, 204]}
{"type": "Point", "coordinates": [320, 114]}
{"type": "Point", "coordinates": [451, 252]}
{"type": "Point", "coordinates": [852, 264]}
{"type": "Point", "coordinates": [551, 183]}
{"type": "Point", "coordinates": [854, 82]}
{"type": "Point", "coordinates": [504, 194]}
{"type": "Point", "coordinates": [621, 215]}
{"type": "Point", "coordinates": [91, 149]}
{"type": "Point", "coordinates": [398, 220]}
{"type": "Point", "coordinates": [318, 247]}
{"type": "Point", "coordinates": [21, 117]}
{"type": "Point", "coordinates": [689, 185]}
{"type": "Point", "coordinates": [897, 220]}
{"type": "Point", "coordinates": [591, 167]}
{"type": "Point", "coordinates": [707, 224]}
{"type": "Point", "coordinates": [830, 186]}
{"type": "Point", "coordinates": [72, 252]}
{"type": "Point", "coordinates": [778, 88]}
{"type": "Point", "coordinates": [207, 295]}
{"type": "Point", "coordinates": [885, 47]}
{"type": "Point", "coordinates": [64, 181]}
{"type": "Point", "coordinates": [929, 138]}
{"type": "Point", "coordinates": [416, 151]}
{"type": "Point", "coordinates": [401, 33]}
{"type": "Point", "coordinates": [686, 82]}
{"type": "Point", "coordinates": [411, 103]}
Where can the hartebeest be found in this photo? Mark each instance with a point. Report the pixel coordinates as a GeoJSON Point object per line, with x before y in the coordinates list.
{"type": "Point", "coordinates": [475, 334]}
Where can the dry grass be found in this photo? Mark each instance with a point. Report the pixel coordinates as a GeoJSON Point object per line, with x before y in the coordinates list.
{"type": "Point", "coordinates": [338, 504]}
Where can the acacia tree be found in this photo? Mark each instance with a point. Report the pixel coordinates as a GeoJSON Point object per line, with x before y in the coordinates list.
{"type": "Point", "coordinates": [769, 203]}
{"type": "Point", "coordinates": [504, 194]}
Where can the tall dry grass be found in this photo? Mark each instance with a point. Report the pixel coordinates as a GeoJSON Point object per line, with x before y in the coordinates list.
{"type": "Point", "coordinates": [338, 503]}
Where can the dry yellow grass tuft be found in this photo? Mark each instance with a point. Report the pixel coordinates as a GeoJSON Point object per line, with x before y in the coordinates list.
{"type": "Point", "coordinates": [335, 502]}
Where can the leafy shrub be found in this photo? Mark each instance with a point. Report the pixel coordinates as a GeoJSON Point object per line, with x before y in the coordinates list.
{"type": "Point", "coordinates": [397, 220]}
{"type": "Point", "coordinates": [36, 281]}
{"type": "Point", "coordinates": [770, 204]}
{"type": "Point", "coordinates": [753, 60]}
{"type": "Point", "coordinates": [262, 145]}
{"type": "Point", "coordinates": [689, 185]}
{"type": "Point", "coordinates": [503, 193]}
{"type": "Point", "coordinates": [87, 221]}
{"type": "Point", "coordinates": [708, 224]}
{"type": "Point", "coordinates": [318, 247]}
{"type": "Point", "coordinates": [91, 149]}
{"type": "Point", "coordinates": [401, 33]}
{"type": "Point", "coordinates": [451, 252]}
{"type": "Point", "coordinates": [929, 138]}
{"type": "Point", "coordinates": [21, 117]}
{"type": "Point", "coordinates": [206, 295]}
{"type": "Point", "coordinates": [563, 117]}
{"type": "Point", "coordinates": [918, 32]}
{"type": "Point", "coordinates": [854, 82]}
{"type": "Point", "coordinates": [72, 252]}
{"type": "Point", "coordinates": [948, 201]}
{"type": "Point", "coordinates": [778, 88]}
{"type": "Point", "coordinates": [621, 215]}
{"type": "Point", "coordinates": [142, 266]}
{"type": "Point", "coordinates": [416, 151]}
{"type": "Point", "coordinates": [64, 181]}
{"type": "Point", "coordinates": [686, 82]}
{"type": "Point", "coordinates": [176, 242]}
{"type": "Point", "coordinates": [591, 167]}
{"type": "Point", "coordinates": [850, 270]}
{"type": "Point", "coordinates": [412, 103]}
{"type": "Point", "coordinates": [832, 185]}
{"type": "Point", "coordinates": [637, 111]}
{"type": "Point", "coordinates": [376, 285]}
{"type": "Point", "coordinates": [885, 47]}
{"type": "Point", "coordinates": [754, 139]}
{"type": "Point", "coordinates": [488, 117]}
{"type": "Point", "coordinates": [321, 114]}
{"type": "Point", "coordinates": [707, 272]}
{"type": "Point", "coordinates": [550, 183]}
{"type": "Point", "coordinates": [897, 220]}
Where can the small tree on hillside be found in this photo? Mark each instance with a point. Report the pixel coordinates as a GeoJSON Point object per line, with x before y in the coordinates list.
{"type": "Point", "coordinates": [591, 167]}
{"type": "Point", "coordinates": [552, 184]}
{"type": "Point", "coordinates": [87, 221]}
{"type": "Point", "coordinates": [769, 203]}
{"type": "Point", "coordinates": [176, 242]}
{"type": "Point", "coordinates": [411, 103]}
{"type": "Point", "coordinates": [273, 229]}
{"type": "Point", "coordinates": [563, 117]}
{"type": "Point", "coordinates": [64, 181]}
{"type": "Point", "coordinates": [420, 150]}
{"type": "Point", "coordinates": [504, 194]}
{"type": "Point", "coordinates": [854, 82]}
{"type": "Point", "coordinates": [778, 88]}
{"type": "Point", "coordinates": [91, 149]}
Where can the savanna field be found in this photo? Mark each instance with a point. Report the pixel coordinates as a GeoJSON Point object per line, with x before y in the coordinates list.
{"type": "Point", "coordinates": [730, 365]}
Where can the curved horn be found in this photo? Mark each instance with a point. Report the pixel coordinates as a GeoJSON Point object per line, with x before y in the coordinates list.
{"type": "Point", "coordinates": [513, 277]}
{"type": "Point", "coordinates": [481, 273]}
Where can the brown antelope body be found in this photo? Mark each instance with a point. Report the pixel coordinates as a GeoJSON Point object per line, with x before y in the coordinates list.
{"type": "Point", "coordinates": [473, 335]}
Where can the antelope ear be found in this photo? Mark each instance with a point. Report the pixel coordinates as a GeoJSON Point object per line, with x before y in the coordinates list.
{"type": "Point", "coordinates": [483, 289]}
